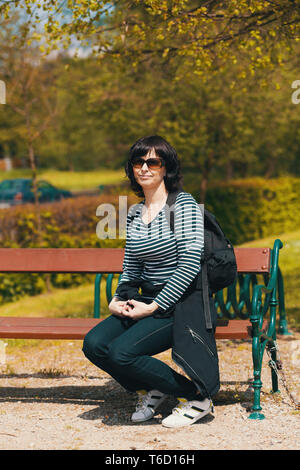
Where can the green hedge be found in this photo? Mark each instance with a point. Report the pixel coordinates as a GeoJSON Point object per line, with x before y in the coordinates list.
{"type": "Point", "coordinates": [70, 224]}
{"type": "Point", "coordinates": [72, 217]}
{"type": "Point", "coordinates": [255, 208]}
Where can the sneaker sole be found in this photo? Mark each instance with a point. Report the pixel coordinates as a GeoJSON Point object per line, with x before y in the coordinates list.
{"type": "Point", "coordinates": [192, 421]}
{"type": "Point", "coordinates": [141, 420]}
{"type": "Point", "coordinates": [153, 412]}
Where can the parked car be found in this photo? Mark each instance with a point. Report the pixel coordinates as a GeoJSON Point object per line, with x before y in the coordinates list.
{"type": "Point", "coordinates": [19, 191]}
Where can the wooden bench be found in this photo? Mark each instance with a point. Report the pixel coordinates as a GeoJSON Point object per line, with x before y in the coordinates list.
{"type": "Point", "coordinates": [242, 316]}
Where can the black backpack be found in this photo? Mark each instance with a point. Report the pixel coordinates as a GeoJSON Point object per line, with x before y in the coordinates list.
{"type": "Point", "coordinates": [218, 263]}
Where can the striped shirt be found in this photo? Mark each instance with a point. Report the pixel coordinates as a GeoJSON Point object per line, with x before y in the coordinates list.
{"type": "Point", "coordinates": [156, 254]}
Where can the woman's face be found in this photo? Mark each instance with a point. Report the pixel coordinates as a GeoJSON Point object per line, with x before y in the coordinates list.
{"type": "Point", "coordinates": [149, 178]}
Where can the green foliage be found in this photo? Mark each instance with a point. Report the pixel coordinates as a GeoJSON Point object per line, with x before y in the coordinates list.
{"type": "Point", "coordinates": [255, 208]}
{"type": "Point", "coordinates": [222, 124]}
{"type": "Point", "coordinates": [199, 35]}
{"type": "Point", "coordinates": [15, 286]}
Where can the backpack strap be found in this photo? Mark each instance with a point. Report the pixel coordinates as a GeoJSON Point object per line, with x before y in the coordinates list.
{"type": "Point", "coordinates": [206, 306]}
{"type": "Point", "coordinates": [171, 203]}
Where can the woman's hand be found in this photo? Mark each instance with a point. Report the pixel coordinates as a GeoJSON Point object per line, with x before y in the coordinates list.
{"type": "Point", "coordinates": [116, 306]}
{"type": "Point", "coordinates": [138, 309]}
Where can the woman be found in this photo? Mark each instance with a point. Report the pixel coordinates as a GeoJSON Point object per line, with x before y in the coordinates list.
{"type": "Point", "coordinates": [165, 265]}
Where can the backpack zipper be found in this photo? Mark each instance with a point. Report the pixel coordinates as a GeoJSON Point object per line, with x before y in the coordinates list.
{"type": "Point", "coordinates": [198, 337]}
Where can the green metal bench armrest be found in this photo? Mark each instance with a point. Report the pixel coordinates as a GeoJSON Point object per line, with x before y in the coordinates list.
{"type": "Point", "coordinates": [261, 339]}
{"type": "Point", "coordinates": [274, 267]}
{"type": "Point", "coordinates": [283, 324]}
{"type": "Point", "coordinates": [270, 288]}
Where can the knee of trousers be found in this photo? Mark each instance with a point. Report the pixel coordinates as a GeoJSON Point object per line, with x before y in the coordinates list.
{"type": "Point", "coordinates": [93, 347]}
{"type": "Point", "coordinates": [120, 356]}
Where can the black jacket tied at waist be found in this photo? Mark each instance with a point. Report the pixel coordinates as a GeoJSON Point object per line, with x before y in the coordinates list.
{"type": "Point", "coordinates": [193, 346]}
{"type": "Point", "coordinates": [131, 290]}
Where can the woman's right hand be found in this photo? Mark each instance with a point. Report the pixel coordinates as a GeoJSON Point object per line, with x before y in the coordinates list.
{"type": "Point", "coordinates": [116, 306]}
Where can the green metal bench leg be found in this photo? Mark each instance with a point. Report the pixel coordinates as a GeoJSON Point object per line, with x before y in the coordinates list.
{"type": "Point", "coordinates": [257, 354]}
{"type": "Point", "coordinates": [256, 408]}
{"type": "Point", "coordinates": [257, 383]}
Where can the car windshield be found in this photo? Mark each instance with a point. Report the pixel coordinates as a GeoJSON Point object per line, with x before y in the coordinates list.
{"type": "Point", "coordinates": [11, 184]}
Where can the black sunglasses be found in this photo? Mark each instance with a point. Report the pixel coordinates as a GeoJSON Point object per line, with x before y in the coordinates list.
{"type": "Point", "coordinates": [152, 163]}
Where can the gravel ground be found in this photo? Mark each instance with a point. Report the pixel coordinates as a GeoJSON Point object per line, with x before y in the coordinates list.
{"type": "Point", "coordinates": [53, 399]}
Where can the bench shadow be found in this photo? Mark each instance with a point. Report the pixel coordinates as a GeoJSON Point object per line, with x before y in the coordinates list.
{"type": "Point", "coordinates": [113, 405]}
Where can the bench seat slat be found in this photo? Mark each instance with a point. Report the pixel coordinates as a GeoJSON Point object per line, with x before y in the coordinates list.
{"type": "Point", "coordinates": [77, 328]}
{"type": "Point", "coordinates": [235, 329]}
{"type": "Point", "coordinates": [46, 328]}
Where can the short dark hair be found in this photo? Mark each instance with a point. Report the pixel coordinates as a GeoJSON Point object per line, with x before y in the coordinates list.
{"type": "Point", "coordinates": [164, 150]}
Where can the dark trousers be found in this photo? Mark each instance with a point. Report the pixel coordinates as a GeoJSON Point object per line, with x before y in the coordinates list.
{"type": "Point", "coordinates": [123, 348]}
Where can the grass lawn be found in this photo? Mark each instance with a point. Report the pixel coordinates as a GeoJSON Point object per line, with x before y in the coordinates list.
{"type": "Point", "coordinates": [72, 302]}
{"type": "Point", "coordinates": [71, 180]}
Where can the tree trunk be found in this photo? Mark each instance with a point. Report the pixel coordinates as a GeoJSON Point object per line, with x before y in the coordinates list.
{"type": "Point", "coordinates": [203, 187]}
{"type": "Point", "coordinates": [270, 170]}
{"type": "Point", "coordinates": [35, 190]}
{"type": "Point", "coordinates": [229, 170]}
{"type": "Point", "coordinates": [37, 206]}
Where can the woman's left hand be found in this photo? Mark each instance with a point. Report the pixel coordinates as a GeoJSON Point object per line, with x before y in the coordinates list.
{"type": "Point", "coordinates": [139, 309]}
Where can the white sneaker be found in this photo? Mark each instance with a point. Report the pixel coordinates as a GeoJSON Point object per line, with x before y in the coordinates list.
{"type": "Point", "coordinates": [187, 412]}
{"type": "Point", "coordinates": [147, 404]}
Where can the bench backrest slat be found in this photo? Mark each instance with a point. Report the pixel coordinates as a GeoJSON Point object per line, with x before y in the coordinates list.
{"type": "Point", "coordinates": [69, 260]}
{"type": "Point", "coordinates": [105, 260]}
{"type": "Point", "coordinates": [253, 260]}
